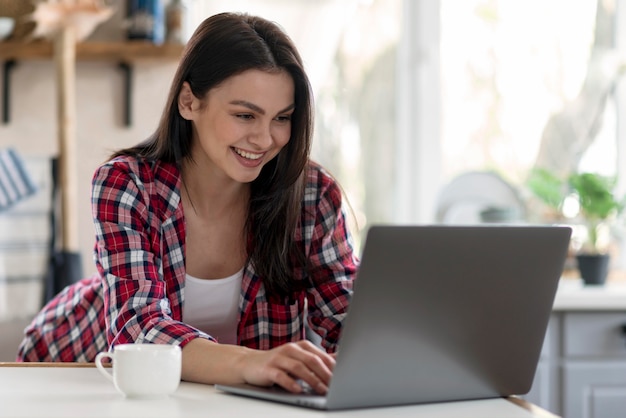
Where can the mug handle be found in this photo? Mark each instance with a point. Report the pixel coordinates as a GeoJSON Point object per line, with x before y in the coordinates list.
{"type": "Point", "coordinates": [98, 361]}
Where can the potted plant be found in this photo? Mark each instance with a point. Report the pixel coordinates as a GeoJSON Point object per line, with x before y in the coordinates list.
{"type": "Point", "coordinates": [550, 190]}
{"type": "Point", "coordinates": [597, 207]}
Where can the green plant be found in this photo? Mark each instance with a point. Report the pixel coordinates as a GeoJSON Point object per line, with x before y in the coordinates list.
{"type": "Point", "coordinates": [547, 187]}
{"type": "Point", "coordinates": [595, 194]}
{"type": "Point", "coordinates": [598, 202]}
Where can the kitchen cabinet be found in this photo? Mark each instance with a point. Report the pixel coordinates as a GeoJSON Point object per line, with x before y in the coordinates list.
{"type": "Point", "coordinates": [582, 369]}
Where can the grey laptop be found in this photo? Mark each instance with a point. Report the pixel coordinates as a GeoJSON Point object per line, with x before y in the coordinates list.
{"type": "Point", "coordinates": [442, 313]}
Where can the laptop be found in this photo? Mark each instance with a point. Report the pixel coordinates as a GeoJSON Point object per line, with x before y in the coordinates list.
{"type": "Point", "coordinates": [441, 313]}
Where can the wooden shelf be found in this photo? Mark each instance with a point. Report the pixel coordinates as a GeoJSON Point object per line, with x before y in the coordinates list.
{"type": "Point", "coordinates": [124, 53]}
{"type": "Point", "coordinates": [128, 51]}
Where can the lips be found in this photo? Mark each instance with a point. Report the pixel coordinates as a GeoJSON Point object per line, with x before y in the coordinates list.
{"type": "Point", "coordinates": [248, 159]}
{"type": "Point", "coordinates": [247, 154]}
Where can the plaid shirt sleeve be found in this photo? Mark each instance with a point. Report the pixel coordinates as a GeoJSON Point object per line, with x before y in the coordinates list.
{"type": "Point", "coordinates": [128, 220]}
{"type": "Point", "coordinates": [332, 260]}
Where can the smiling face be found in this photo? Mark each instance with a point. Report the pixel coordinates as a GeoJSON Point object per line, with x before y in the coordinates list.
{"type": "Point", "coordinates": [241, 124]}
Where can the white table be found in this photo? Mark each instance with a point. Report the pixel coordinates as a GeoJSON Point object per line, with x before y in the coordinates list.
{"type": "Point", "coordinates": [61, 391]}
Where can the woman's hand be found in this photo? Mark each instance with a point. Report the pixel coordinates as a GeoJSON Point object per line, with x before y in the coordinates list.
{"type": "Point", "coordinates": [287, 364]}
{"type": "Point", "coordinates": [205, 361]}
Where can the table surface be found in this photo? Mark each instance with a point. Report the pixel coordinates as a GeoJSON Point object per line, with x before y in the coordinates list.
{"type": "Point", "coordinates": [46, 390]}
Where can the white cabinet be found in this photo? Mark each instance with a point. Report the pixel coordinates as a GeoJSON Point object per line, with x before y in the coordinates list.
{"type": "Point", "coordinates": [594, 365]}
{"type": "Point", "coordinates": [582, 370]}
{"type": "Point", "coordinates": [594, 389]}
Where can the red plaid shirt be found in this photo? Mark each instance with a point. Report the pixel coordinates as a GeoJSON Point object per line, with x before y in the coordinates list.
{"type": "Point", "coordinates": [139, 291]}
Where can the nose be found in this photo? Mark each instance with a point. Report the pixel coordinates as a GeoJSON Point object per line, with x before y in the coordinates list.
{"type": "Point", "coordinates": [262, 137]}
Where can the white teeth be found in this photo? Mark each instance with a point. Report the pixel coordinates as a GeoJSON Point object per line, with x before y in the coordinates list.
{"type": "Point", "coordinates": [248, 155]}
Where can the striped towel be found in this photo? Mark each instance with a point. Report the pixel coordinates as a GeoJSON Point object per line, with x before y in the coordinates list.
{"type": "Point", "coordinates": [15, 182]}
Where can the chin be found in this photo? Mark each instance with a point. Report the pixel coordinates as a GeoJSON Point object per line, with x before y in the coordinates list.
{"type": "Point", "coordinates": [247, 177]}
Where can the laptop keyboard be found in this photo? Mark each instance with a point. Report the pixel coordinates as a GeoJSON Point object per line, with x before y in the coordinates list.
{"type": "Point", "coordinates": [306, 388]}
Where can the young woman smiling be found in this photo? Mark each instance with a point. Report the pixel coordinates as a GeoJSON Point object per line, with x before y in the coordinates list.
{"type": "Point", "coordinates": [217, 233]}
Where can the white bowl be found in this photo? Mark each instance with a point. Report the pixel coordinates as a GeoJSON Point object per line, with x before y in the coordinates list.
{"type": "Point", "coordinates": [6, 26]}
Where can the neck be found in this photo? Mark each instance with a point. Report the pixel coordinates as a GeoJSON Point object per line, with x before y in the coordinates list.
{"type": "Point", "coordinates": [210, 195]}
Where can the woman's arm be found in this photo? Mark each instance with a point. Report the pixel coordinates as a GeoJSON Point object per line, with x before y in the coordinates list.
{"type": "Point", "coordinates": [140, 293]}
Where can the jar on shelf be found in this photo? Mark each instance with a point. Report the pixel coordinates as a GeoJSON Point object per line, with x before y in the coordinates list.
{"type": "Point", "coordinates": [146, 20]}
{"type": "Point", "coordinates": [175, 18]}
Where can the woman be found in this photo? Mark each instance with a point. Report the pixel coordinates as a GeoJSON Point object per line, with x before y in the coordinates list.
{"type": "Point", "coordinates": [218, 227]}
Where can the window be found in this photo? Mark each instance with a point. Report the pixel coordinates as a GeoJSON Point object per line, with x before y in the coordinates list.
{"type": "Point", "coordinates": [411, 94]}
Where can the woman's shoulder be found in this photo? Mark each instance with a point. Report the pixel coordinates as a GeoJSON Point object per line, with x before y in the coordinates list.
{"type": "Point", "coordinates": [132, 179]}
{"type": "Point", "coordinates": [140, 170]}
{"type": "Point", "coordinates": [320, 183]}
{"type": "Point", "coordinates": [318, 176]}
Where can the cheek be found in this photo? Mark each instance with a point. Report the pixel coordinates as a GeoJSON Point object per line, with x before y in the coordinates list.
{"type": "Point", "coordinates": [219, 130]}
{"type": "Point", "coordinates": [282, 135]}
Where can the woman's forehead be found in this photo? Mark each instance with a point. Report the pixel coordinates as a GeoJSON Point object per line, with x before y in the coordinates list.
{"type": "Point", "coordinates": [274, 88]}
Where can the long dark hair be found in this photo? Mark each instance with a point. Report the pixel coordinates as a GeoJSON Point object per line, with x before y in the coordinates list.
{"type": "Point", "coordinates": [222, 46]}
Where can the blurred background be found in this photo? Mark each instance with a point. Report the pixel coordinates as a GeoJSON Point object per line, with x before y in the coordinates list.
{"type": "Point", "coordinates": [426, 111]}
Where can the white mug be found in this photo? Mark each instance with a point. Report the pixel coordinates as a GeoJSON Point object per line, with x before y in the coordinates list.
{"type": "Point", "coordinates": [143, 370]}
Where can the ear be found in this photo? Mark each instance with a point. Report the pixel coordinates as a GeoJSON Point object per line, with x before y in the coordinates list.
{"type": "Point", "coordinates": [187, 102]}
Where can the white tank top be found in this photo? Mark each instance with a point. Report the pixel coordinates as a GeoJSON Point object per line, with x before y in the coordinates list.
{"type": "Point", "coordinates": [212, 306]}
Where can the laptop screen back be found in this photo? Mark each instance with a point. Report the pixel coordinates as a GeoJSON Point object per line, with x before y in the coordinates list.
{"type": "Point", "coordinates": [447, 313]}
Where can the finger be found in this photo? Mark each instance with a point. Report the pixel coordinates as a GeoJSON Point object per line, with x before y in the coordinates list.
{"type": "Point", "coordinates": [328, 359]}
{"type": "Point", "coordinates": [308, 367]}
{"type": "Point", "coordinates": [291, 362]}
{"type": "Point", "coordinates": [305, 378]}
{"type": "Point", "coordinates": [287, 382]}
{"type": "Point", "coordinates": [315, 359]}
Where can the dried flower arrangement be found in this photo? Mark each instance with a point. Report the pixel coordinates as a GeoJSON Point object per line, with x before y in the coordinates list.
{"type": "Point", "coordinates": [83, 16]}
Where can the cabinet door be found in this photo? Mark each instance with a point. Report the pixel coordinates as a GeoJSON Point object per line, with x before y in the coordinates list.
{"type": "Point", "coordinates": [594, 389]}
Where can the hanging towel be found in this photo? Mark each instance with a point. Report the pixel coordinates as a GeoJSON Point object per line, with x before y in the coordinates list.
{"type": "Point", "coordinates": [15, 182]}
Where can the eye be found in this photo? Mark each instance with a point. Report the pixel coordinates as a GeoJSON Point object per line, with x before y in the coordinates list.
{"type": "Point", "coordinates": [244, 116]}
{"type": "Point", "coordinates": [283, 118]}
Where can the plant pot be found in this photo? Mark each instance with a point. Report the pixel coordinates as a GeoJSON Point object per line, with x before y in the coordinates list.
{"type": "Point", "coordinates": [593, 268]}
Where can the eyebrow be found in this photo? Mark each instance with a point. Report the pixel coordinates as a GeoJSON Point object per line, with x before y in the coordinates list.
{"type": "Point", "coordinates": [256, 108]}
